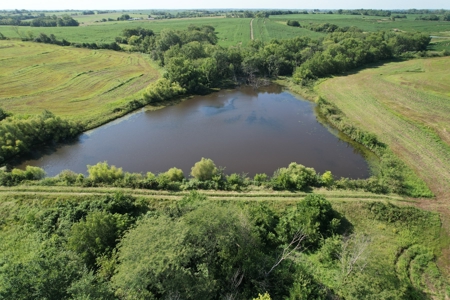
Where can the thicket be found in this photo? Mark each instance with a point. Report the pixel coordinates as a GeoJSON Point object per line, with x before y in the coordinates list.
{"type": "Point", "coordinates": [194, 62]}
{"type": "Point", "coordinates": [19, 134]}
{"type": "Point", "coordinates": [51, 39]}
{"type": "Point", "coordinates": [119, 247]}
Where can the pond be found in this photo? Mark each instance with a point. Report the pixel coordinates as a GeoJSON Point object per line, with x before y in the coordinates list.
{"type": "Point", "coordinates": [243, 130]}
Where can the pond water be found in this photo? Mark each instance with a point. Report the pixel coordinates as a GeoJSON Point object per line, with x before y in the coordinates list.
{"type": "Point", "coordinates": [242, 130]}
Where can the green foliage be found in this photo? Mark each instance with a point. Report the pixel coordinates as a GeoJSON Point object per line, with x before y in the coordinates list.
{"type": "Point", "coordinates": [204, 169]}
{"type": "Point", "coordinates": [314, 216]}
{"type": "Point", "coordinates": [19, 135]}
{"type": "Point", "coordinates": [103, 173]}
{"type": "Point", "coordinates": [266, 296]}
{"type": "Point", "coordinates": [163, 89]}
{"type": "Point", "coordinates": [327, 179]}
{"type": "Point", "coordinates": [293, 23]}
{"type": "Point", "coordinates": [96, 235]}
{"type": "Point", "coordinates": [294, 177]}
{"type": "Point", "coordinates": [16, 176]}
{"type": "Point", "coordinates": [175, 174]}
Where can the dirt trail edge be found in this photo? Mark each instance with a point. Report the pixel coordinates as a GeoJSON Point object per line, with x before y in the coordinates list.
{"type": "Point", "coordinates": [251, 29]}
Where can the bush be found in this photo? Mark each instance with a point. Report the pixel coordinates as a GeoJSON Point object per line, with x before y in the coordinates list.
{"type": "Point", "coordinates": [103, 173]}
{"type": "Point", "coordinates": [162, 90]}
{"type": "Point", "coordinates": [294, 177]}
{"type": "Point", "coordinates": [204, 169]}
{"type": "Point", "coordinates": [68, 177]}
{"type": "Point", "coordinates": [175, 174]}
{"type": "Point", "coordinates": [314, 216]}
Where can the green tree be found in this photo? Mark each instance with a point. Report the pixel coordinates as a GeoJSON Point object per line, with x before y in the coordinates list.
{"type": "Point", "coordinates": [204, 169]}
{"type": "Point", "coordinates": [103, 173]}
{"type": "Point", "coordinates": [96, 235]}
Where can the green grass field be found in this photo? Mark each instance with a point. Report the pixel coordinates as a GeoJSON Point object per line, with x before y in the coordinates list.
{"type": "Point", "coordinates": [77, 84]}
{"type": "Point", "coordinates": [407, 105]}
{"type": "Point", "coordinates": [368, 23]}
{"type": "Point", "coordinates": [231, 32]}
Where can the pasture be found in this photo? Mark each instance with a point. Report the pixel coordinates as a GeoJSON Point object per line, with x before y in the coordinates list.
{"type": "Point", "coordinates": [77, 84]}
{"type": "Point", "coordinates": [371, 23]}
{"type": "Point", "coordinates": [407, 105]}
{"type": "Point", "coordinates": [231, 32]}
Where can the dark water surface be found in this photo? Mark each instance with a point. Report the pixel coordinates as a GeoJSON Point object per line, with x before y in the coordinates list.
{"type": "Point", "coordinates": [243, 130]}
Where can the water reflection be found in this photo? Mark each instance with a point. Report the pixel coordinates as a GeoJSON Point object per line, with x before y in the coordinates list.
{"type": "Point", "coordinates": [243, 130]}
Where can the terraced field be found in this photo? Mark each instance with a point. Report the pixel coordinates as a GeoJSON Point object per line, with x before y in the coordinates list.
{"type": "Point", "coordinates": [407, 105]}
{"type": "Point", "coordinates": [77, 84]}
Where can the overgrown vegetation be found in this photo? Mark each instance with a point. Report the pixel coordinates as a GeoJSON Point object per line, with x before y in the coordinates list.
{"type": "Point", "coordinates": [120, 247]}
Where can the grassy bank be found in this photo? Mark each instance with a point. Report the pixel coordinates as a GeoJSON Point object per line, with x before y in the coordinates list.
{"type": "Point", "coordinates": [90, 86]}
{"type": "Point", "coordinates": [407, 106]}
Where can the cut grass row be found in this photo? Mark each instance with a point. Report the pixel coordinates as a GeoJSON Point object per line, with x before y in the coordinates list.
{"type": "Point", "coordinates": [407, 105]}
{"type": "Point", "coordinates": [78, 84]}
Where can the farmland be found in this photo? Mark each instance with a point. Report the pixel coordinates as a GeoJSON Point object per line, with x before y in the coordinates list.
{"type": "Point", "coordinates": [231, 32]}
{"type": "Point", "coordinates": [111, 234]}
{"type": "Point", "coordinates": [372, 23]}
{"type": "Point", "coordinates": [408, 106]}
{"type": "Point", "coordinates": [77, 84]}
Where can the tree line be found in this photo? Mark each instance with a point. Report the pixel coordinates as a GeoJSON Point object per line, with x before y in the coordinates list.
{"type": "Point", "coordinates": [39, 21]}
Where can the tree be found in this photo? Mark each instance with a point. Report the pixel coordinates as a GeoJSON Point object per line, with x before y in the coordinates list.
{"type": "Point", "coordinates": [204, 169]}
{"type": "Point", "coordinates": [103, 173]}
{"type": "Point", "coordinates": [96, 235]}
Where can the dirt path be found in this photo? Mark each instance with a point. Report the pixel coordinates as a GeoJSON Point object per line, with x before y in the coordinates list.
{"type": "Point", "coordinates": [251, 29]}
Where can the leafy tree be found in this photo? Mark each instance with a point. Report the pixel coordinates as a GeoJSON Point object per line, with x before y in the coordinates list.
{"type": "Point", "coordinates": [96, 235]}
{"type": "Point", "coordinates": [294, 177]}
{"type": "Point", "coordinates": [103, 173]}
{"type": "Point", "coordinates": [175, 174]}
{"type": "Point", "coordinates": [204, 169]}
{"type": "Point", "coordinates": [314, 216]}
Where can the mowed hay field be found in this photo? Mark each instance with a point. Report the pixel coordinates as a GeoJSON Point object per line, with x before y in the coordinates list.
{"type": "Point", "coordinates": [77, 84]}
{"type": "Point", "coordinates": [407, 105]}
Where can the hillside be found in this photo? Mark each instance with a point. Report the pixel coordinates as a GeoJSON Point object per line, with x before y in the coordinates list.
{"type": "Point", "coordinates": [91, 86]}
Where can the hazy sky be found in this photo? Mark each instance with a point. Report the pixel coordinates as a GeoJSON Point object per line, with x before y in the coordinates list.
{"type": "Point", "coordinates": [181, 4]}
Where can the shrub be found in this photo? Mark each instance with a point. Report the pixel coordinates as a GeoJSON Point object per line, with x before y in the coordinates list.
{"type": "Point", "coordinates": [68, 177]}
{"type": "Point", "coordinates": [204, 169]}
{"type": "Point", "coordinates": [162, 90]}
{"type": "Point", "coordinates": [103, 173]}
{"type": "Point", "coordinates": [294, 177]}
{"type": "Point", "coordinates": [175, 174]}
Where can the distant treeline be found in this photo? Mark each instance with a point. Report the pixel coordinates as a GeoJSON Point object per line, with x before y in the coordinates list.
{"type": "Point", "coordinates": [388, 13]}
{"type": "Point", "coordinates": [38, 21]}
{"type": "Point", "coordinates": [433, 17]}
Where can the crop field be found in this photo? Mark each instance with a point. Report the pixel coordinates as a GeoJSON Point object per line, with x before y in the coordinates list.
{"type": "Point", "coordinates": [370, 23]}
{"type": "Point", "coordinates": [231, 32]}
{"type": "Point", "coordinates": [407, 105]}
{"type": "Point", "coordinates": [77, 84]}
{"type": "Point", "coordinates": [266, 29]}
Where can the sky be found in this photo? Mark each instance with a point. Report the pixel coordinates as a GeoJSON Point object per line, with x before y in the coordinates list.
{"type": "Point", "coordinates": [241, 4]}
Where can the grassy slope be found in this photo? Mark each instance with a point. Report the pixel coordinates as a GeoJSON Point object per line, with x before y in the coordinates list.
{"type": "Point", "coordinates": [78, 84]}
{"type": "Point", "coordinates": [407, 105]}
